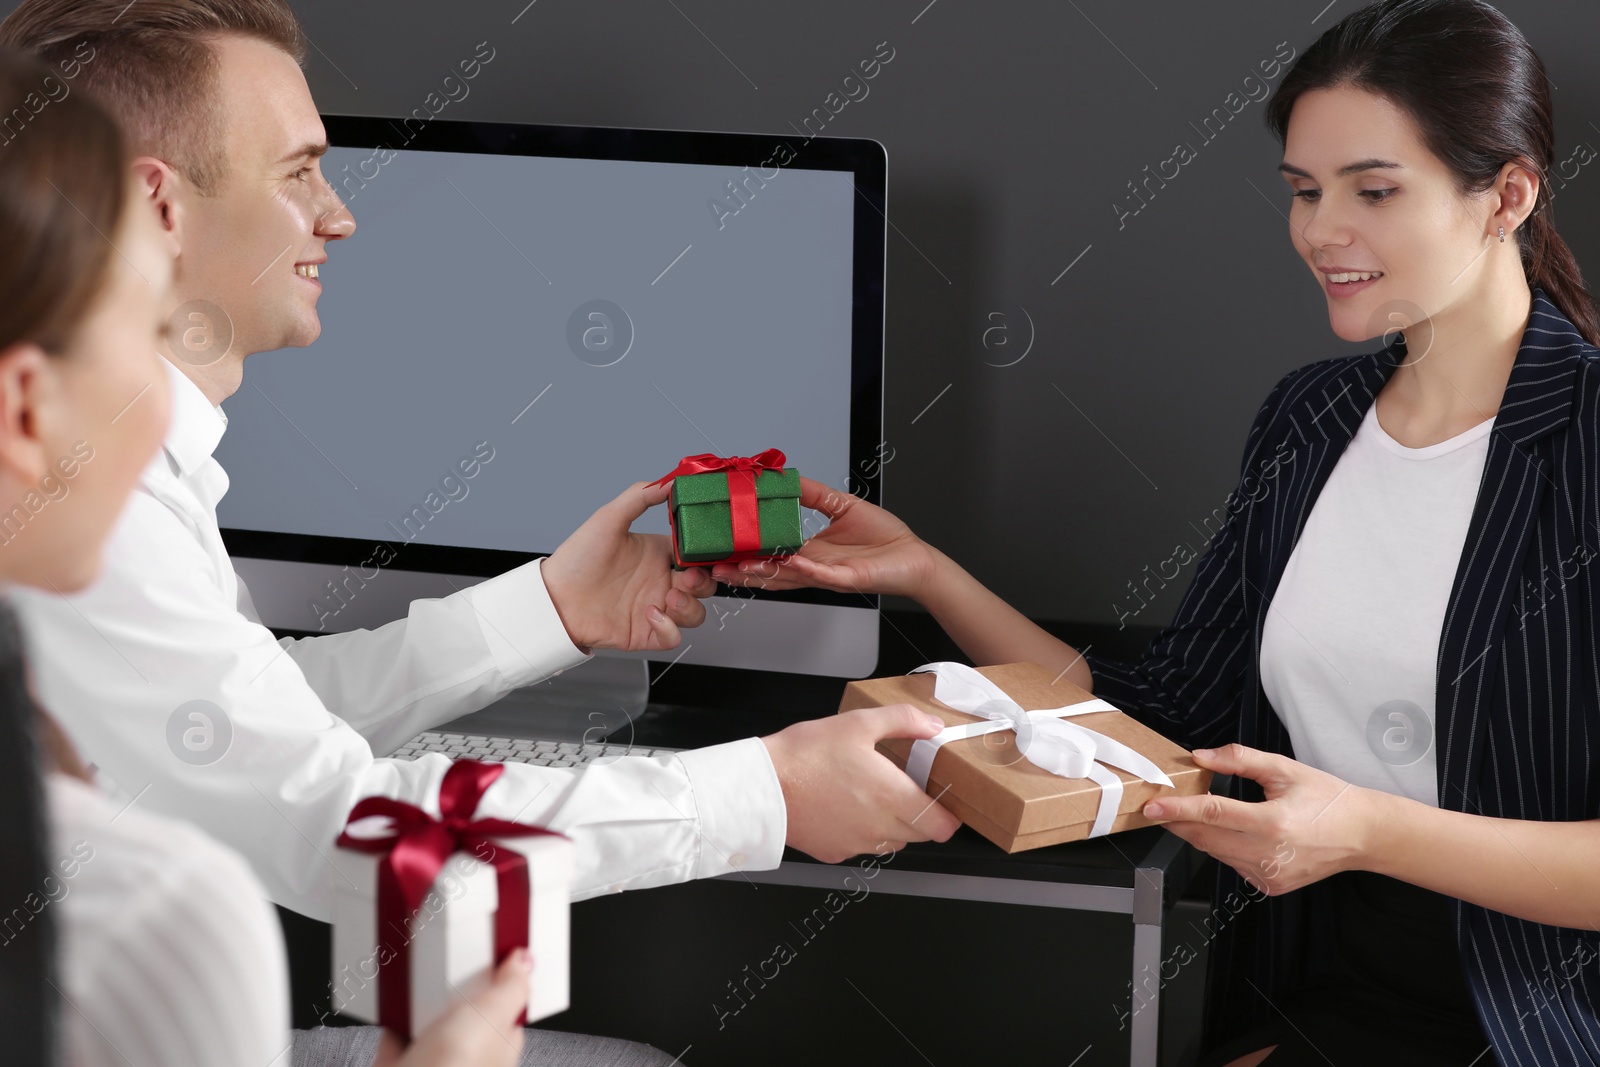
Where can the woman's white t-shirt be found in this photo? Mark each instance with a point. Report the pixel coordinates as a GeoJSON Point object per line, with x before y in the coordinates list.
{"type": "Point", "coordinates": [1351, 639]}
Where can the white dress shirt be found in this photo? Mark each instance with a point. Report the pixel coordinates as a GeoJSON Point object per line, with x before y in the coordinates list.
{"type": "Point", "coordinates": [1350, 646]}
{"type": "Point", "coordinates": [284, 743]}
{"type": "Point", "coordinates": [170, 955]}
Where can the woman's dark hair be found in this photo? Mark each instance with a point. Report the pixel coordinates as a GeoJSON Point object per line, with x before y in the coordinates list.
{"type": "Point", "coordinates": [63, 178]}
{"type": "Point", "coordinates": [62, 185]}
{"type": "Point", "coordinates": [1479, 97]}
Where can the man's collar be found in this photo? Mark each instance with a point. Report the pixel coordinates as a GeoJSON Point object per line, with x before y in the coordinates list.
{"type": "Point", "coordinates": [197, 424]}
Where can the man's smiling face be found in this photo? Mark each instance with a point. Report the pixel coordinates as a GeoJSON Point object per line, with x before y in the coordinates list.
{"type": "Point", "coordinates": [255, 247]}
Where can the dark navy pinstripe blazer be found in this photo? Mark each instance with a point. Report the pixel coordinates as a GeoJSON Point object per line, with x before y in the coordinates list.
{"type": "Point", "coordinates": [1517, 713]}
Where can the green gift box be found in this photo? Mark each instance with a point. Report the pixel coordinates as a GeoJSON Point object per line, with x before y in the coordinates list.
{"type": "Point", "coordinates": [728, 515]}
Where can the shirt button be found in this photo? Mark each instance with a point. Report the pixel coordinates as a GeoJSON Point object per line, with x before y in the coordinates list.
{"type": "Point", "coordinates": [738, 859]}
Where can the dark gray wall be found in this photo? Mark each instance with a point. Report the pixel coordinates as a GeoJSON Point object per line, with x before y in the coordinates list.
{"type": "Point", "coordinates": [1012, 130]}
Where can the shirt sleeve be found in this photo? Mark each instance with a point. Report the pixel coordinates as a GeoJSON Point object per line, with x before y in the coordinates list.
{"type": "Point", "coordinates": [193, 710]}
{"type": "Point", "coordinates": [447, 657]}
{"type": "Point", "coordinates": [1189, 682]}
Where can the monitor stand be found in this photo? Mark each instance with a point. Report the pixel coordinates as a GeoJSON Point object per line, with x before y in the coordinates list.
{"type": "Point", "coordinates": [588, 703]}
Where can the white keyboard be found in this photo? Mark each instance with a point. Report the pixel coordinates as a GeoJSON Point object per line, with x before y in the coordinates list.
{"type": "Point", "coordinates": [518, 749]}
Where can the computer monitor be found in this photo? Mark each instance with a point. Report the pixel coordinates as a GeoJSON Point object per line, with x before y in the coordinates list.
{"type": "Point", "coordinates": [530, 318]}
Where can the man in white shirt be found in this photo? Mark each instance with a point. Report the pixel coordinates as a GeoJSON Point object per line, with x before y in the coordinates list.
{"type": "Point", "coordinates": [227, 141]}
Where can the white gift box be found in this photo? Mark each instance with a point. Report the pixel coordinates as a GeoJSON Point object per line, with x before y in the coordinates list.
{"type": "Point", "coordinates": [451, 935]}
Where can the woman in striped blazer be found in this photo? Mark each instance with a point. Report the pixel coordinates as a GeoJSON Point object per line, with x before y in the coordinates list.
{"type": "Point", "coordinates": [1388, 649]}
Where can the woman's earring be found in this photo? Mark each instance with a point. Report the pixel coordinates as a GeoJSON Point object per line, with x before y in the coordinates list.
{"type": "Point", "coordinates": [1502, 235]}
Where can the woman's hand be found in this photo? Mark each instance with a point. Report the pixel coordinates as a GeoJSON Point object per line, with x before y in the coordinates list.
{"type": "Point", "coordinates": [480, 1030]}
{"type": "Point", "coordinates": [863, 549]}
{"type": "Point", "coordinates": [1311, 824]}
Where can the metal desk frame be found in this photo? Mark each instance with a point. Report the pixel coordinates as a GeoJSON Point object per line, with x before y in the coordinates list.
{"type": "Point", "coordinates": [1145, 902]}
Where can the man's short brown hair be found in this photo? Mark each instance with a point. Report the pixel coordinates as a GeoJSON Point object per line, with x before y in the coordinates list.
{"type": "Point", "coordinates": [154, 67]}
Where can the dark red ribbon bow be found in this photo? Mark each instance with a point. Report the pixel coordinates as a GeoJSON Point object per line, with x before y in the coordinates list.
{"type": "Point", "coordinates": [414, 851]}
{"type": "Point", "coordinates": [742, 471]}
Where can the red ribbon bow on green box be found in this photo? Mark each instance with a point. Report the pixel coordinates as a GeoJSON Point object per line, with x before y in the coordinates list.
{"type": "Point", "coordinates": [742, 471]}
{"type": "Point", "coordinates": [414, 851]}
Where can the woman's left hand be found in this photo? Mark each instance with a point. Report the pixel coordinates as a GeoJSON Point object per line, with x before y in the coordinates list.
{"type": "Point", "coordinates": [1310, 825]}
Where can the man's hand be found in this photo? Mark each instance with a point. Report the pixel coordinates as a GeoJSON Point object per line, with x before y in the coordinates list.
{"type": "Point", "coordinates": [863, 549]}
{"type": "Point", "coordinates": [480, 1030]}
{"type": "Point", "coordinates": [617, 589]}
{"type": "Point", "coordinates": [1311, 824]}
{"type": "Point", "coordinates": [846, 798]}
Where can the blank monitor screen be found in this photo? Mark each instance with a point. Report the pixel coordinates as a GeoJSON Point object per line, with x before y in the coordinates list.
{"type": "Point", "coordinates": [509, 340]}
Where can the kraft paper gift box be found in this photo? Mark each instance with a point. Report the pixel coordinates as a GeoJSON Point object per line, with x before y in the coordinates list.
{"type": "Point", "coordinates": [987, 782]}
{"type": "Point", "coordinates": [450, 937]}
{"type": "Point", "coordinates": [730, 509]}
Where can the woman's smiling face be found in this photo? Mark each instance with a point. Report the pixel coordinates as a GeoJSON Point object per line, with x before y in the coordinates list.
{"type": "Point", "coordinates": [1370, 198]}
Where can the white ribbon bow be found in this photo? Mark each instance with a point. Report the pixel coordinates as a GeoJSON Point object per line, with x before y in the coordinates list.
{"type": "Point", "coordinates": [1059, 747]}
